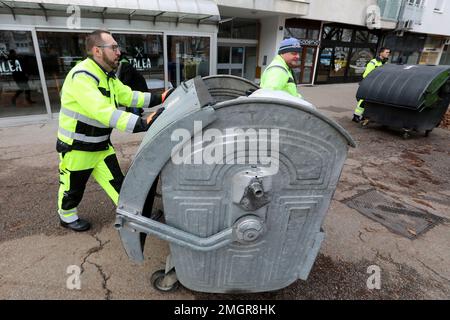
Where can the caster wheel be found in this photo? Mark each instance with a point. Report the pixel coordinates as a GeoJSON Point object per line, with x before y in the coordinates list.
{"type": "Point", "coordinates": [406, 135]}
{"type": "Point", "coordinates": [157, 281]}
{"type": "Point", "coordinates": [427, 133]}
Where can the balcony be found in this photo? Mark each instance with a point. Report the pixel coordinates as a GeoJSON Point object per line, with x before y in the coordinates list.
{"type": "Point", "coordinates": [406, 12]}
{"type": "Point", "coordinates": [413, 11]}
{"type": "Point", "coordinates": [390, 9]}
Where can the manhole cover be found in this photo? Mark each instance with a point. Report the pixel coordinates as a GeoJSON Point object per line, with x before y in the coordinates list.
{"type": "Point", "coordinates": [400, 218]}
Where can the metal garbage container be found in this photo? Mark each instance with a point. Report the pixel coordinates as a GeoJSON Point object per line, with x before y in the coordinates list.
{"type": "Point", "coordinates": [227, 87]}
{"type": "Point", "coordinates": [246, 184]}
{"type": "Point", "coordinates": [406, 97]}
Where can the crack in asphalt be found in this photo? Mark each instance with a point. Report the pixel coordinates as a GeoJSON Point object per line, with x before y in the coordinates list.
{"type": "Point", "coordinates": [433, 271]}
{"type": "Point", "coordinates": [105, 278]}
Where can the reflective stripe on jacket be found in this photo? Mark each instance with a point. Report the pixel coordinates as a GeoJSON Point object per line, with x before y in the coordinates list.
{"type": "Point", "coordinates": [278, 76]}
{"type": "Point", "coordinates": [89, 101]}
{"type": "Point", "coordinates": [372, 65]}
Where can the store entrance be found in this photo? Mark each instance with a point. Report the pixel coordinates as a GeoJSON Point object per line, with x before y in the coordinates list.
{"type": "Point", "coordinates": [237, 60]}
{"type": "Point", "coordinates": [306, 70]}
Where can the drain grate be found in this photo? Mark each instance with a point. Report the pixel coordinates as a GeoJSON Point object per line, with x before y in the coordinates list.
{"type": "Point", "coordinates": [399, 218]}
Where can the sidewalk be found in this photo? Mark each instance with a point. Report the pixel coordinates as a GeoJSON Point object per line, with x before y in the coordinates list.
{"type": "Point", "coordinates": [36, 252]}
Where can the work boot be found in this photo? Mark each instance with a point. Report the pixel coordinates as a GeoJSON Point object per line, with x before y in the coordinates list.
{"type": "Point", "coordinates": [356, 118]}
{"type": "Point", "coordinates": [78, 225]}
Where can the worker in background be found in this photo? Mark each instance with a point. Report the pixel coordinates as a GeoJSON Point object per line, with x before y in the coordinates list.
{"type": "Point", "coordinates": [377, 62]}
{"type": "Point", "coordinates": [129, 76]}
{"type": "Point", "coordinates": [279, 75]}
{"type": "Point", "coordinates": [90, 96]}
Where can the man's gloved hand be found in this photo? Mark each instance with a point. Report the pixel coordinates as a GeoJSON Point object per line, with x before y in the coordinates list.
{"type": "Point", "coordinates": [153, 116]}
{"type": "Point", "coordinates": [166, 94]}
{"type": "Point", "coordinates": [143, 124]}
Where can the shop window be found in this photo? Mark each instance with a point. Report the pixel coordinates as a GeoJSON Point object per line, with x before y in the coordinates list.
{"type": "Point", "coordinates": [313, 34]}
{"type": "Point", "coordinates": [146, 54]}
{"type": "Point", "coordinates": [20, 84]}
{"type": "Point", "coordinates": [298, 33]}
{"type": "Point", "coordinates": [359, 59]}
{"type": "Point", "coordinates": [346, 35]}
{"type": "Point", "coordinates": [331, 33]}
{"type": "Point", "coordinates": [60, 52]}
{"type": "Point", "coordinates": [339, 62]}
{"type": "Point", "coordinates": [323, 70]}
{"type": "Point", "coordinates": [188, 57]}
{"type": "Point", "coordinates": [361, 36]}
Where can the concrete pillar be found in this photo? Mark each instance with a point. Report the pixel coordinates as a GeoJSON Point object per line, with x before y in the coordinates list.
{"type": "Point", "coordinates": [271, 34]}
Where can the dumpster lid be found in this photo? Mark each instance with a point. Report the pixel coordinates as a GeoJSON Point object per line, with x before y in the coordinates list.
{"type": "Point", "coordinates": [267, 96]}
{"type": "Point", "coordinates": [408, 86]}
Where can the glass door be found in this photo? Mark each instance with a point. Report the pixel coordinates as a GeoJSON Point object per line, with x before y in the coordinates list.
{"type": "Point", "coordinates": [230, 60]}
{"type": "Point", "coordinates": [307, 65]}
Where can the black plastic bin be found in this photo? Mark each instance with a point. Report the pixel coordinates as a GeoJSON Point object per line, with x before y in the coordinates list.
{"type": "Point", "coordinates": [406, 97]}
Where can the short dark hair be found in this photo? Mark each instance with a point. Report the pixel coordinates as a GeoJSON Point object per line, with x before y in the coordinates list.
{"type": "Point", "coordinates": [94, 39]}
{"type": "Point", "coordinates": [383, 49]}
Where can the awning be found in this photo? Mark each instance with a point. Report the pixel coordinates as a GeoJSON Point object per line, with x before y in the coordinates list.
{"type": "Point", "coordinates": [189, 11]}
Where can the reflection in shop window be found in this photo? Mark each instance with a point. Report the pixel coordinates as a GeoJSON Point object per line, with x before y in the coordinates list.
{"type": "Point", "coordinates": [339, 62]}
{"type": "Point", "coordinates": [298, 33]}
{"type": "Point", "coordinates": [60, 52]}
{"type": "Point", "coordinates": [188, 58]}
{"type": "Point", "coordinates": [324, 67]}
{"type": "Point", "coordinates": [347, 35]}
{"type": "Point", "coordinates": [145, 54]}
{"type": "Point", "coordinates": [331, 33]}
{"type": "Point", "coordinates": [359, 59]}
{"type": "Point", "coordinates": [20, 85]}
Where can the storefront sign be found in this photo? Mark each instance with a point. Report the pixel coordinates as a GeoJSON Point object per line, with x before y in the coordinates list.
{"type": "Point", "coordinates": [141, 64]}
{"type": "Point", "coordinates": [309, 42]}
{"type": "Point", "coordinates": [7, 67]}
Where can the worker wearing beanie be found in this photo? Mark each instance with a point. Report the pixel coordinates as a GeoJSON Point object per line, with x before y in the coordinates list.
{"type": "Point", "coordinates": [279, 75]}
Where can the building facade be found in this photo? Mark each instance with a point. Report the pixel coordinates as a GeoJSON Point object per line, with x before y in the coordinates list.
{"type": "Point", "coordinates": [422, 34]}
{"type": "Point", "coordinates": [41, 41]}
{"type": "Point", "coordinates": [174, 40]}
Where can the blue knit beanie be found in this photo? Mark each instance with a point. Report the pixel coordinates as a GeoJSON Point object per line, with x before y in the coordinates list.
{"type": "Point", "coordinates": [289, 45]}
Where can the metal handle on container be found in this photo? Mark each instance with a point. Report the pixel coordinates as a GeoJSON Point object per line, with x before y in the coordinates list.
{"type": "Point", "coordinates": [238, 232]}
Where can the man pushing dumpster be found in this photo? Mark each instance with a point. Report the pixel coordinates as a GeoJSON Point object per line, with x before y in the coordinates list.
{"type": "Point", "coordinates": [89, 100]}
{"type": "Point", "coordinates": [377, 62]}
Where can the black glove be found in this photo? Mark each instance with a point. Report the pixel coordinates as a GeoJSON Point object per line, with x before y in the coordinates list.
{"type": "Point", "coordinates": [157, 99]}
{"type": "Point", "coordinates": [143, 124]}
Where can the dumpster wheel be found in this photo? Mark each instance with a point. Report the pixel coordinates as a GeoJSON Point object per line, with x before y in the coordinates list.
{"type": "Point", "coordinates": [164, 282]}
{"type": "Point", "coordinates": [406, 134]}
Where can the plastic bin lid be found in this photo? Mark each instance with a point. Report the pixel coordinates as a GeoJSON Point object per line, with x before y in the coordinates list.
{"type": "Point", "coordinates": [408, 86]}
